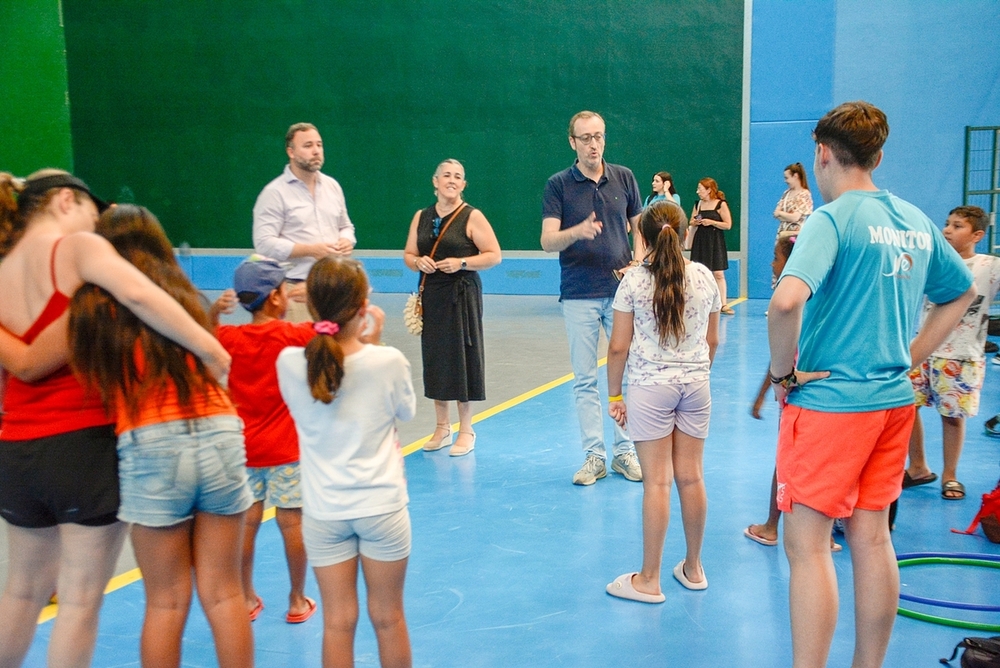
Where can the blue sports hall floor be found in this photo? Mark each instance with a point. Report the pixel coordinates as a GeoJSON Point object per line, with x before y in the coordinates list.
{"type": "Point", "coordinates": [510, 560]}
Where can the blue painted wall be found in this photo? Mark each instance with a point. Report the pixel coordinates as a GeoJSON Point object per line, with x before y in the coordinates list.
{"type": "Point", "coordinates": [514, 276]}
{"type": "Point", "coordinates": [933, 67]}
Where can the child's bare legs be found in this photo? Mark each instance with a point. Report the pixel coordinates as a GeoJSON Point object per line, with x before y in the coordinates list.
{"type": "Point", "coordinates": [769, 530]}
{"type": "Point", "coordinates": [466, 435]}
{"type": "Point", "coordinates": [876, 585]}
{"type": "Point", "coordinates": [813, 597]}
{"type": "Point", "coordinates": [338, 589]}
{"type": "Point", "coordinates": [720, 279]}
{"type": "Point", "coordinates": [918, 459]}
{"type": "Point", "coordinates": [252, 524]}
{"type": "Point", "coordinates": [953, 435]}
{"type": "Point", "coordinates": [216, 551]}
{"type": "Point", "coordinates": [384, 580]}
{"type": "Point", "coordinates": [657, 477]}
{"type": "Point", "coordinates": [688, 475]}
{"type": "Point", "coordinates": [164, 556]}
{"type": "Point", "coordinates": [211, 544]}
{"type": "Point", "coordinates": [81, 560]}
{"type": "Point", "coordinates": [290, 523]}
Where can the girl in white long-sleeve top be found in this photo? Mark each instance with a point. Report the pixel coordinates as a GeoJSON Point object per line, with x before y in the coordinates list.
{"type": "Point", "coordinates": [345, 397]}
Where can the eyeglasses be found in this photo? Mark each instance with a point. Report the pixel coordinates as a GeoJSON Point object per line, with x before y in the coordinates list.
{"type": "Point", "coordinates": [437, 227]}
{"type": "Point", "coordinates": [586, 139]}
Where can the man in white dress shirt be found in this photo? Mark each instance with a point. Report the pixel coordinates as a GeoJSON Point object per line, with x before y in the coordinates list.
{"type": "Point", "coordinates": [301, 216]}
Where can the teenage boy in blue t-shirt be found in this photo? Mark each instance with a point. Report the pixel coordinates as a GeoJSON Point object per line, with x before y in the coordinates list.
{"type": "Point", "coordinates": [848, 301]}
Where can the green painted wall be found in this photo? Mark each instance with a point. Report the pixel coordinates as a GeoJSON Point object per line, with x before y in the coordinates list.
{"type": "Point", "coordinates": [182, 106]}
{"type": "Point", "coordinates": [34, 108]}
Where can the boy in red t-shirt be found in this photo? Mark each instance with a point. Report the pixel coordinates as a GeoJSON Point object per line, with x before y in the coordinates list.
{"type": "Point", "coordinates": [271, 441]}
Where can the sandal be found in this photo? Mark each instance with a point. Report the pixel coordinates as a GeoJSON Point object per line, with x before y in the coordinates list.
{"type": "Point", "coordinates": [433, 445]}
{"type": "Point", "coordinates": [727, 310]}
{"type": "Point", "coordinates": [952, 490]}
{"type": "Point", "coordinates": [909, 481]}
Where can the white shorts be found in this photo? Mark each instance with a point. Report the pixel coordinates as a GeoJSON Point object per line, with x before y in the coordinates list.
{"type": "Point", "coordinates": [379, 537]}
{"type": "Point", "coordinates": [654, 410]}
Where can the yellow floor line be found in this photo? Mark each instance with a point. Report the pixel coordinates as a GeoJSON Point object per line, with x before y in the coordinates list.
{"type": "Point", "coordinates": [49, 612]}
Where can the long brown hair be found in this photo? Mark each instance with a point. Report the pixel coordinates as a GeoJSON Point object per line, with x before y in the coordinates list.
{"type": "Point", "coordinates": [666, 178]}
{"type": "Point", "coordinates": [17, 210]}
{"type": "Point", "coordinates": [103, 333]}
{"type": "Point", "coordinates": [799, 171]}
{"type": "Point", "coordinates": [337, 289]}
{"type": "Point", "coordinates": [713, 188]}
{"type": "Point", "coordinates": [662, 226]}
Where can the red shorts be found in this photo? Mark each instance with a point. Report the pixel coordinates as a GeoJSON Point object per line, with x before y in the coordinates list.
{"type": "Point", "coordinates": [836, 462]}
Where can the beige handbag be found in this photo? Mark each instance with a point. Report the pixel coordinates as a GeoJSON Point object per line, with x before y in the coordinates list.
{"type": "Point", "coordinates": [413, 312]}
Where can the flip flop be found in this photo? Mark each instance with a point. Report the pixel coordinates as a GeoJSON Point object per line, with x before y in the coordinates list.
{"type": "Point", "coordinates": [909, 481]}
{"type": "Point", "coordinates": [759, 539]}
{"type": "Point", "coordinates": [622, 588]}
{"type": "Point", "coordinates": [680, 577]}
{"type": "Point", "coordinates": [836, 547]}
{"type": "Point", "coordinates": [302, 616]}
{"type": "Point", "coordinates": [257, 609]}
{"type": "Point", "coordinates": [952, 487]}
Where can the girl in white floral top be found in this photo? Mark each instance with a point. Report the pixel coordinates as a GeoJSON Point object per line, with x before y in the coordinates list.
{"type": "Point", "coordinates": [666, 327]}
{"type": "Point", "coordinates": [796, 203]}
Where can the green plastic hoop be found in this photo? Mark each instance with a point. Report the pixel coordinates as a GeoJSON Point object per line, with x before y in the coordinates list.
{"type": "Point", "coordinates": [946, 621]}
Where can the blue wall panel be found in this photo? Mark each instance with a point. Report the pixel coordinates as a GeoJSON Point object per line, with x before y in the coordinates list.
{"type": "Point", "coordinates": [773, 146]}
{"type": "Point", "coordinates": [933, 67]}
{"type": "Point", "coordinates": [791, 66]}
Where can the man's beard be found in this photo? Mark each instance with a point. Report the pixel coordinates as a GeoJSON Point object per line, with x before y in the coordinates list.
{"type": "Point", "coordinates": [309, 165]}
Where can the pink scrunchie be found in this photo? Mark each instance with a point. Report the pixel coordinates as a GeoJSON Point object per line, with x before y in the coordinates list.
{"type": "Point", "coordinates": [326, 327]}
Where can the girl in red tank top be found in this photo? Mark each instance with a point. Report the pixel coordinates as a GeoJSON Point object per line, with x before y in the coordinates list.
{"type": "Point", "coordinates": [58, 467]}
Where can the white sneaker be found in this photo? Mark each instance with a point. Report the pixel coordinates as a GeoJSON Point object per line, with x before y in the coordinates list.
{"type": "Point", "coordinates": [996, 359]}
{"type": "Point", "coordinates": [593, 469]}
{"type": "Point", "coordinates": [628, 465]}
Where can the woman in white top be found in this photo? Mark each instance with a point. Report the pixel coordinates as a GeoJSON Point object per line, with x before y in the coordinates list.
{"type": "Point", "coordinates": [666, 327]}
{"type": "Point", "coordinates": [345, 397]}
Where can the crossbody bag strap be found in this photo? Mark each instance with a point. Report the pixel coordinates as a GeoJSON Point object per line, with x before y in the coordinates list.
{"type": "Point", "coordinates": [440, 237]}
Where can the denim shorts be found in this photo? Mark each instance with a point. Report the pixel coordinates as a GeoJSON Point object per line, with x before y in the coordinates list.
{"type": "Point", "coordinates": [172, 470]}
{"type": "Point", "coordinates": [379, 537]}
{"type": "Point", "coordinates": [279, 486]}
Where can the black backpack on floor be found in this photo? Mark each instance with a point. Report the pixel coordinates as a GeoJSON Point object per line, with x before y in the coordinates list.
{"type": "Point", "coordinates": [979, 653]}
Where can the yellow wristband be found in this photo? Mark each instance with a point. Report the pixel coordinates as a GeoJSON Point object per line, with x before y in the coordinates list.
{"type": "Point", "coordinates": [617, 397]}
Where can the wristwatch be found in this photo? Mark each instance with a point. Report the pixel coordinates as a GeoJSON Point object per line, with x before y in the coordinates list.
{"type": "Point", "coordinates": [465, 265]}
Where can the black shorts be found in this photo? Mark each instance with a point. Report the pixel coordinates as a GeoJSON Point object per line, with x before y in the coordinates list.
{"type": "Point", "coordinates": [61, 479]}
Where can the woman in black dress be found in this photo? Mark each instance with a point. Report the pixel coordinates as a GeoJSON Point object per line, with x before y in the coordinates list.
{"type": "Point", "coordinates": [452, 339]}
{"type": "Point", "coordinates": [710, 217]}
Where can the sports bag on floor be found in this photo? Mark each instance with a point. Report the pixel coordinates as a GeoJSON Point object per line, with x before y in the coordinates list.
{"type": "Point", "coordinates": [988, 516]}
{"type": "Point", "coordinates": [979, 653]}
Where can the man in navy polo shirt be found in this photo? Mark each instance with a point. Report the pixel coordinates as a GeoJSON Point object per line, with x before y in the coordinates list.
{"type": "Point", "coordinates": [586, 213]}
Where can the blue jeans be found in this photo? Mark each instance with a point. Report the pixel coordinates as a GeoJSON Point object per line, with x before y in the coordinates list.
{"type": "Point", "coordinates": [584, 319]}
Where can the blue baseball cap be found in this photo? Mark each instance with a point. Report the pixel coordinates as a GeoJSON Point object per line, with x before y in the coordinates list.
{"type": "Point", "coordinates": [255, 279]}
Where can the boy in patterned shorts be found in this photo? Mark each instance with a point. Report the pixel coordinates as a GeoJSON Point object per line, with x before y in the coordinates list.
{"type": "Point", "coordinates": [951, 378]}
{"type": "Point", "coordinates": [271, 440]}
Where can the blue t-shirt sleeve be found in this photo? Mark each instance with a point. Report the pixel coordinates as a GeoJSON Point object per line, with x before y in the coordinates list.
{"type": "Point", "coordinates": [552, 201]}
{"type": "Point", "coordinates": [634, 207]}
{"type": "Point", "coordinates": [815, 251]}
{"type": "Point", "coordinates": [947, 275]}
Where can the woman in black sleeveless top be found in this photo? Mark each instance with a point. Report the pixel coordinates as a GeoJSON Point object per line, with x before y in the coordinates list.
{"type": "Point", "coordinates": [710, 217]}
{"type": "Point", "coordinates": [452, 339]}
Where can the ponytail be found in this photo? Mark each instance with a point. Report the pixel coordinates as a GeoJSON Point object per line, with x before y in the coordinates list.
{"type": "Point", "coordinates": [11, 222]}
{"type": "Point", "coordinates": [324, 367]}
{"type": "Point", "coordinates": [337, 290]}
{"type": "Point", "coordinates": [662, 225]}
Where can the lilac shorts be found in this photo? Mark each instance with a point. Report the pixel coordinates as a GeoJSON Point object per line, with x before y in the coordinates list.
{"type": "Point", "coordinates": [654, 410]}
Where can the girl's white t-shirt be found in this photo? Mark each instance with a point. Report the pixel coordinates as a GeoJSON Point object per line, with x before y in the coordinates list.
{"type": "Point", "coordinates": [349, 451]}
{"type": "Point", "coordinates": [677, 362]}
